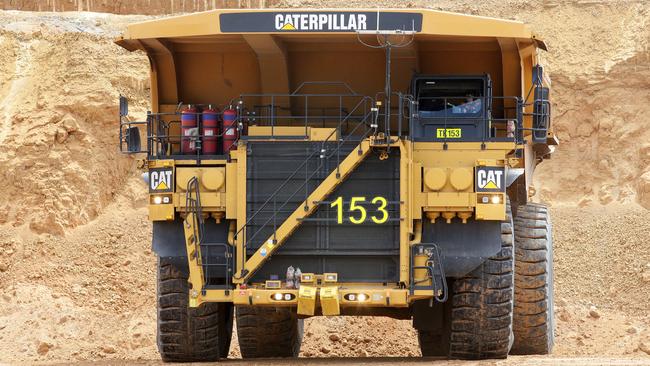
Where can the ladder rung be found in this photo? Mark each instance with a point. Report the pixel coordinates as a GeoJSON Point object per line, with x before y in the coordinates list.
{"type": "Point", "coordinates": [315, 219]}
{"type": "Point", "coordinates": [360, 203]}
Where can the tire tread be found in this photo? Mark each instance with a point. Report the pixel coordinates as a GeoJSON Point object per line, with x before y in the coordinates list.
{"type": "Point", "coordinates": [268, 332]}
{"type": "Point", "coordinates": [533, 311]}
{"type": "Point", "coordinates": [481, 323]}
{"type": "Point", "coordinates": [189, 334]}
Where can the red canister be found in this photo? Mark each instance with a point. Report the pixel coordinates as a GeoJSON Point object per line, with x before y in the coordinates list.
{"type": "Point", "coordinates": [210, 131]}
{"type": "Point", "coordinates": [189, 130]}
{"type": "Point", "coordinates": [230, 133]}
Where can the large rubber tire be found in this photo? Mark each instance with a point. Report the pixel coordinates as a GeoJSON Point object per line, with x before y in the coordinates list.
{"type": "Point", "coordinates": [482, 305]}
{"type": "Point", "coordinates": [433, 344]}
{"type": "Point", "coordinates": [533, 317]}
{"type": "Point", "coordinates": [189, 334]}
{"type": "Point", "coordinates": [268, 332]}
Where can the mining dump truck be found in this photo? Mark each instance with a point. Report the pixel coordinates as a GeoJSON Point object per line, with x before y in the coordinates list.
{"type": "Point", "coordinates": [345, 162]}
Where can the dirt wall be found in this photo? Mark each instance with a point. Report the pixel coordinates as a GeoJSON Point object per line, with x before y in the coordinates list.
{"type": "Point", "coordinates": [59, 84]}
{"type": "Point", "coordinates": [600, 67]}
{"type": "Point", "coordinates": [77, 276]}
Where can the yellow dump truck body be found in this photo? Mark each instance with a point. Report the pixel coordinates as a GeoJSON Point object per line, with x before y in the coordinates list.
{"type": "Point", "coordinates": [375, 151]}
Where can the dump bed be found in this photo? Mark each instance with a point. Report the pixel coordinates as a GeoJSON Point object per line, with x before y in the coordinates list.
{"type": "Point", "coordinates": [214, 56]}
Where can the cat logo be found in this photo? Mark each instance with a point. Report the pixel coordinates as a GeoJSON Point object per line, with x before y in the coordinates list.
{"type": "Point", "coordinates": [161, 180]}
{"type": "Point", "coordinates": [489, 179]}
{"type": "Point", "coordinates": [319, 21]}
{"type": "Point", "coordinates": [288, 26]}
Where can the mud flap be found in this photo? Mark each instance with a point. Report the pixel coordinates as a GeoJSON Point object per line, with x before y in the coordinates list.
{"type": "Point", "coordinates": [463, 247]}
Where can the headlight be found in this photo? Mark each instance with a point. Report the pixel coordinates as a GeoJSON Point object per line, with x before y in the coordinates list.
{"type": "Point", "coordinates": [494, 199]}
{"type": "Point", "coordinates": [159, 199]}
{"type": "Point", "coordinates": [280, 296]}
{"type": "Point", "coordinates": [361, 297]}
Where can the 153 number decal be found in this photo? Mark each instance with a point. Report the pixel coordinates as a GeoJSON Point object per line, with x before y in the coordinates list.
{"type": "Point", "coordinates": [358, 214]}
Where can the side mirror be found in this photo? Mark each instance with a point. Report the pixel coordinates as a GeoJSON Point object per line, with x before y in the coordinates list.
{"type": "Point", "coordinates": [124, 106]}
{"type": "Point", "coordinates": [541, 114]}
{"type": "Point", "coordinates": [538, 74]}
{"type": "Point", "coordinates": [541, 106]}
{"type": "Point", "coordinates": [132, 137]}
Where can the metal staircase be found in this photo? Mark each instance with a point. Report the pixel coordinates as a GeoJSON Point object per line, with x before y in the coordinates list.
{"type": "Point", "coordinates": [282, 231]}
{"type": "Point", "coordinates": [213, 261]}
{"type": "Point", "coordinates": [435, 279]}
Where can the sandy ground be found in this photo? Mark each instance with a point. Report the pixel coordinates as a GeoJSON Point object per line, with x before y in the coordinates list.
{"type": "Point", "coordinates": [76, 270]}
{"type": "Point", "coordinates": [392, 361]}
{"type": "Point", "coordinates": [91, 297]}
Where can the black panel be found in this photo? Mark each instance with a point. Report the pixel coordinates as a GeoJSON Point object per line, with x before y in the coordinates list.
{"type": "Point", "coordinates": [365, 252]}
{"type": "Point", "coordinates": [168, 240]}
{"type": "Point", "coordinates": [431, 316]}
{"type": "Point", "coordinates": [318, 21]}
{"type": "Point", "coordinates": [463, 247]}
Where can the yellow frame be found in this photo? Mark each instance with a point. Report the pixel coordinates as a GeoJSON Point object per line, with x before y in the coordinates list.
{"type": "Point", "coordinates": [518, 49]}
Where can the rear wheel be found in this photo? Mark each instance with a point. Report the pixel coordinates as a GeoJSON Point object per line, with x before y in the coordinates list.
{"type": "Point", "coordinates": [482, 305]}
{"type": "Point", "coordinates": [189, 334]}
{"type": "Point", "coordinates": [433, 344]}
{"type": "Point", "coordinates": [268, 332]}
{"type": "Point", "coordinates": [533, 317]}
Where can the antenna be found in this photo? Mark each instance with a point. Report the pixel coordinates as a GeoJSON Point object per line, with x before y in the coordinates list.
{"type": "Point", "coordinates": [388, 39]}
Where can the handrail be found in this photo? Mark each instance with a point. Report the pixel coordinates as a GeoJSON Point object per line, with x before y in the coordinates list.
{"type": "Point", "coordinates": [306, 161]}
{"type": "Point", "coordinates": [202, 258]}
{"type": "Point", "coordinates": [336, 150]}
{"type": "Point", "coordinates": [243, 229]}
{"type": "Point", "coordinates": [484, 114]}
{"type": "Point", "coordinates": [309, 83]}
{"type": "Point", "coordinates": [193, 205]}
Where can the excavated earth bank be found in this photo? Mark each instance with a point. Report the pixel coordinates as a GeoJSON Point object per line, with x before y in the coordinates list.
{"type": "Point", "coordinates": [76, 270]}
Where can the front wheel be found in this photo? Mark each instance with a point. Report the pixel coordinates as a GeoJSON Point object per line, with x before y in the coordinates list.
{"type": "Point", "coordinates": [189, 334]}
{"type": "Point", "coordinates": [268, 332]}
{"type": "Point", "coordinates": [482, 305]}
